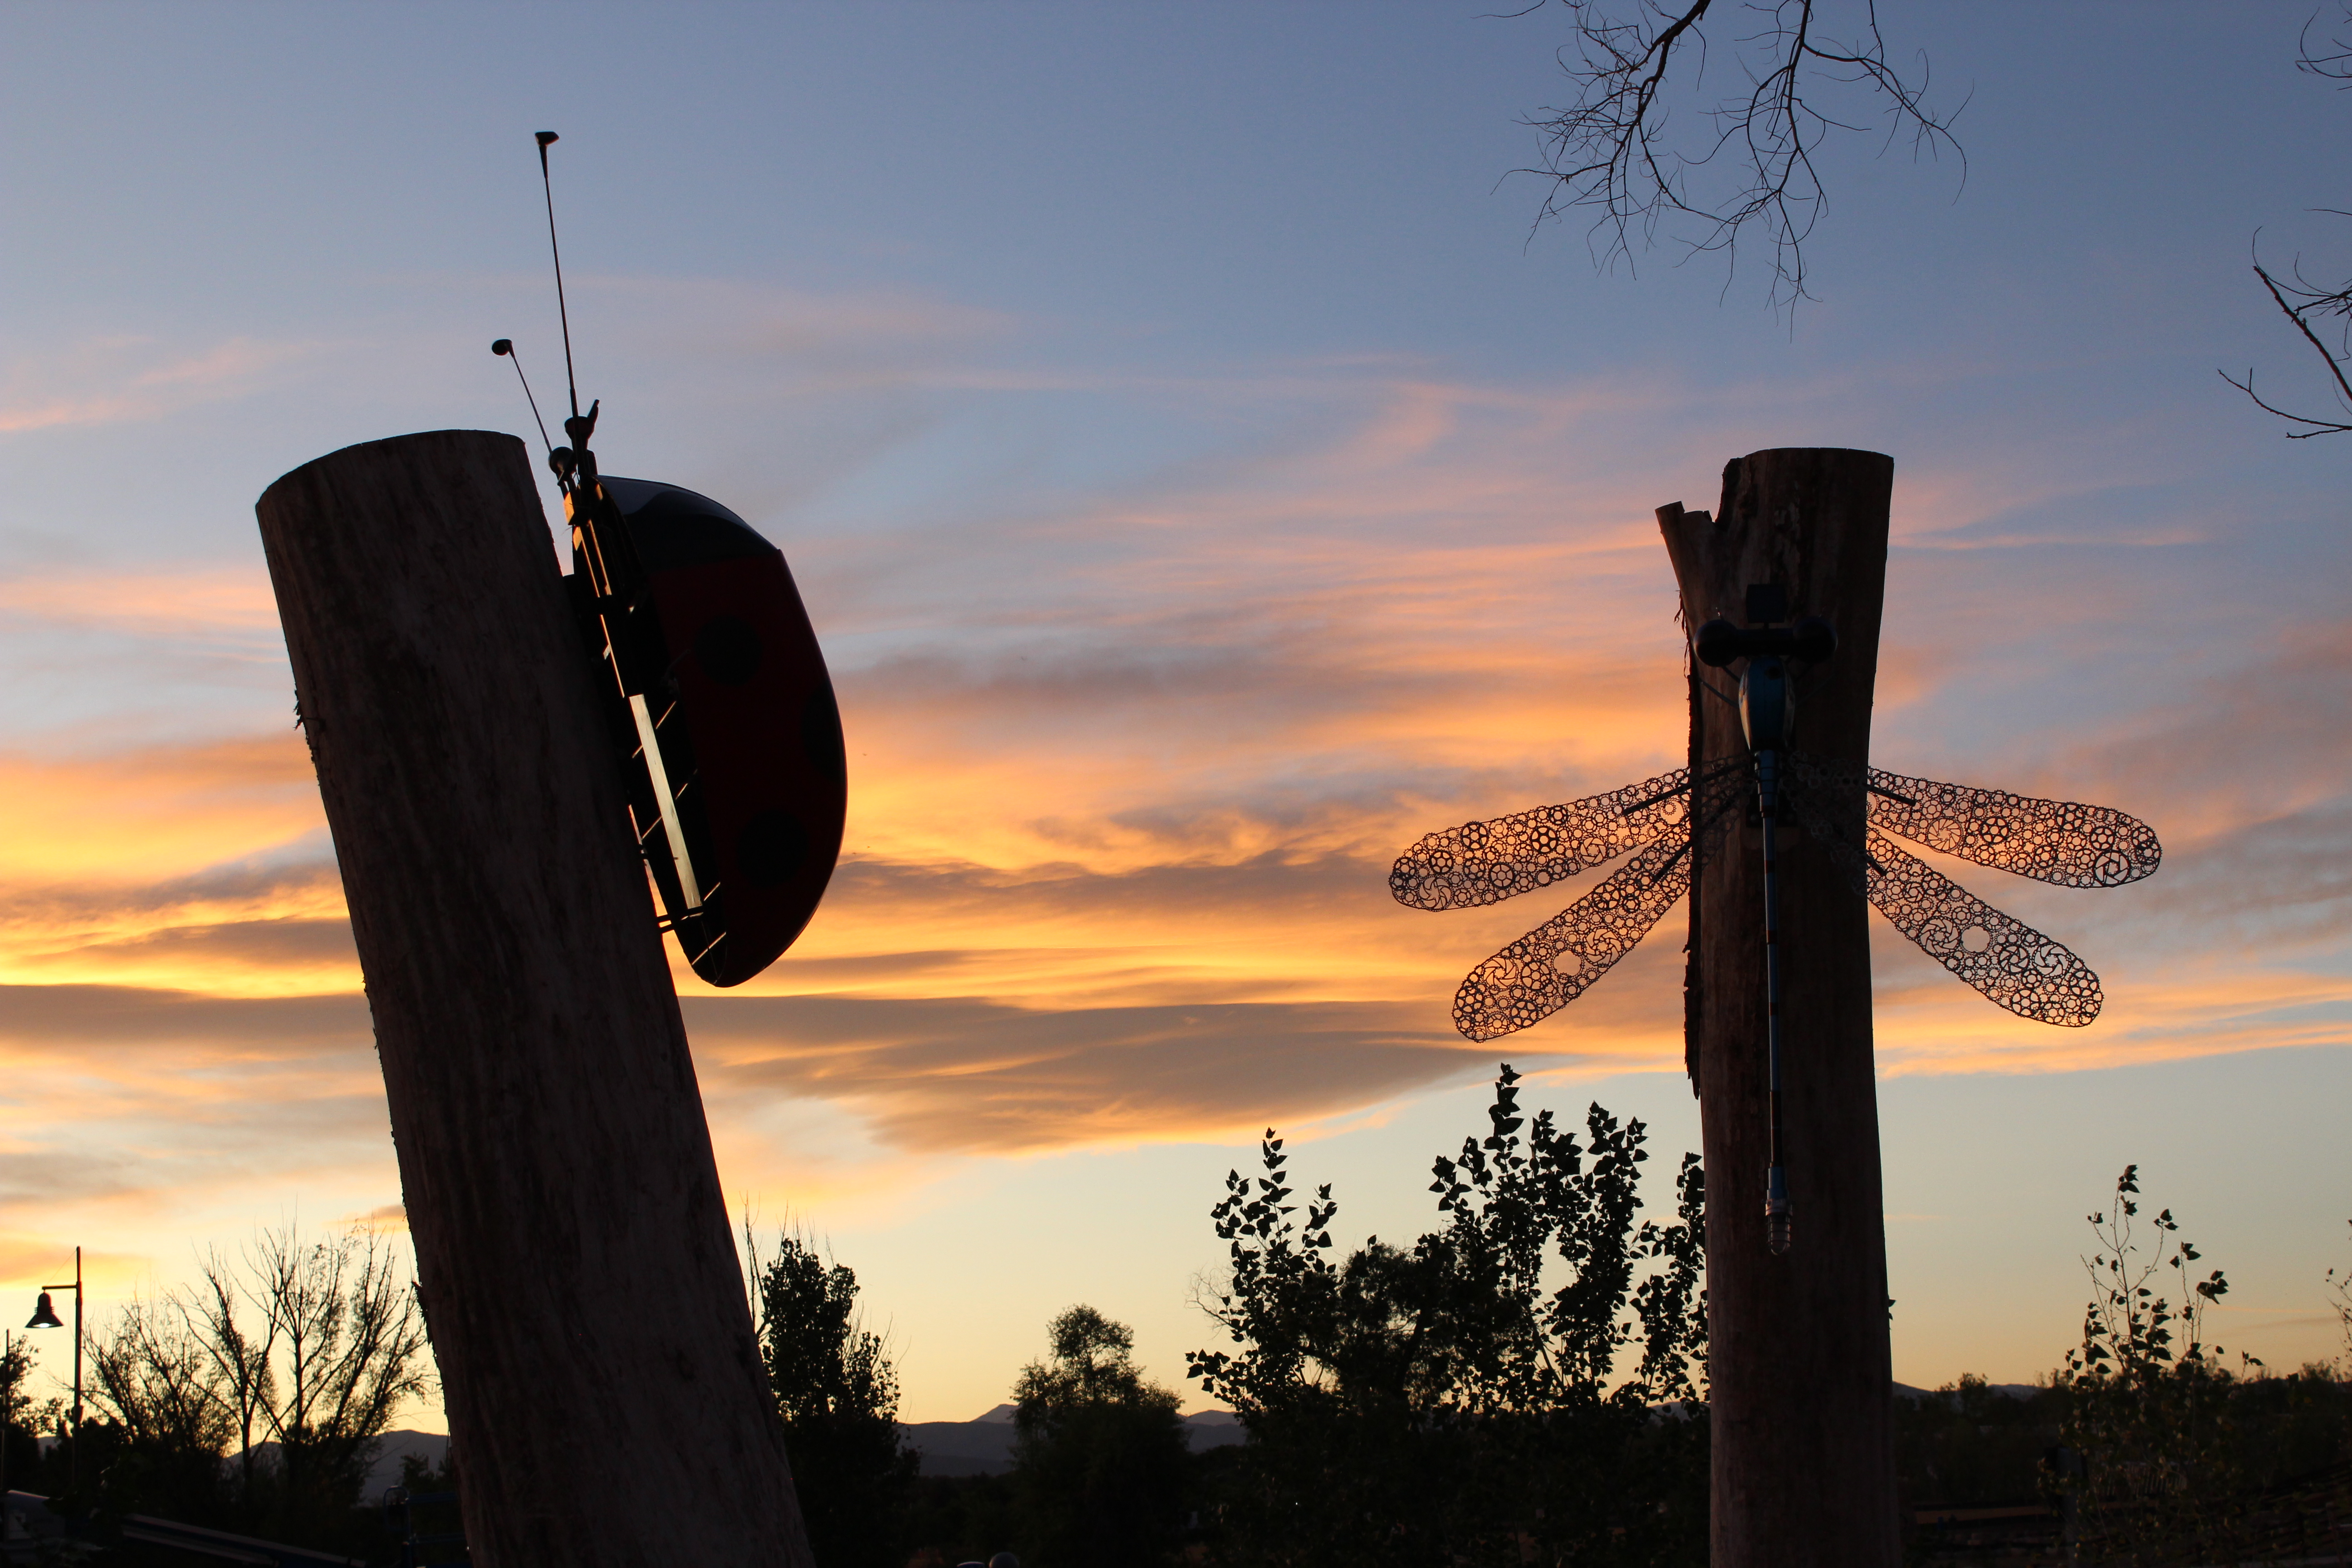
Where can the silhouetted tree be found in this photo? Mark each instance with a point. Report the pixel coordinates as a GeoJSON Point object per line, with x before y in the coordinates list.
{"type": "Point", "coordinates": [2339, 1288]}
{"type": "Point", "coordinates": [2165, 1453]}
{"type": "Point", "coordinates": [1970, 1445]}
{"type": "Point", "coordinates": [21, 1419]}
{"type": "Point", "coordinates": [312, 1346]}
{"type": "Point", "coordinates": [1617, 152]}
{"type": "Point", "coordinates": [838, 1395]}
{"type": "Point", "coordinates": [1452, 1402]}
{"type": "Point", "coordinates": [338, 1348]}
{"type": "Point", "coordinates": [151, 1376]}
{"type": "Point", "coordinates": [1100, 1463]}
{"type": "Point", "coordinates": [960, 1519]}
{"type": "Point", "coordinates": [243, 1380]}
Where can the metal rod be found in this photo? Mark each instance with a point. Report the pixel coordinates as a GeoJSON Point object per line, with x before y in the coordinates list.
{"type": "Point", "coordinates": [673, 828]}
{"type": "Point", "coordinates": [75, 1460]}
{"type": "Point", "coordinates": [1693, 974]}
{"type": "Point", "coordinates": [505, 349]}
{"type": "Point", "coordinates": [1776, 1181]}
{"type": "Point", "coordinates": [1662, 794]}
{"type": "Point", "coordinates": [547, 183]}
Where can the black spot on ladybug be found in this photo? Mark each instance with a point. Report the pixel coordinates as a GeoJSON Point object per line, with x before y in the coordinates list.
{"type": "Point", "coordinates": [728, 650]}
{"type": "Point", "coordinates": [821, 735]}
{"type": "Point", "coordinates": [772, 848]}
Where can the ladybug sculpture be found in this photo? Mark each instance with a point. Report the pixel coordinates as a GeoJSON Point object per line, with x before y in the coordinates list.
{"type": "Point", "coordinates": [716, 695]}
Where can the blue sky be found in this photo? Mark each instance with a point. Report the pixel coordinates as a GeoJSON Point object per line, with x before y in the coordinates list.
{"type": "Point", "coordinates": [1206, 478]}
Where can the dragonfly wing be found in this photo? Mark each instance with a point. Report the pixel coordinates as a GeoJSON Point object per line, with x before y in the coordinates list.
{"type": "Point", "coordinates": [2059, 841]}
{"type": "Point", "coordinates": [2005, 959]}
{"type": "Point", "coordinates": [1482, 863]}
{"type": "Point", "coordinates": [1553, 964]}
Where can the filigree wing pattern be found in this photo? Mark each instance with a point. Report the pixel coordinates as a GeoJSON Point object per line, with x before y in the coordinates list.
{"type": "Point", "coordinates": [2059, 841]}
{"type": "Point", "coordinates": [1482, 863]}
{"type": "Point", "coordinates": [1553, 964]}
{"type": "Point", "coordinates": [2006, 960]}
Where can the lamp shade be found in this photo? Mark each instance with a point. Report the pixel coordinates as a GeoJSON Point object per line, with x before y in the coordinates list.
{"type": "Point", "coordinates": [44, 1316]}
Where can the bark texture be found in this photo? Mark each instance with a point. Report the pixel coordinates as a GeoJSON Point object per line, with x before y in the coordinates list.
{"type": "Point", "coordinates": [1802, 1399]}
{"type": "Point", "coordinates": [605, 1394]}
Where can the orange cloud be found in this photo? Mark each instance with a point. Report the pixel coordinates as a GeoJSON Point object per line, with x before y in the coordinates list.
{"type": "Point", "coordinates": [1126, 777]}
{"type": "Point", "coordinates": [145, 817]}
{"type": "Point", "coordinates": [200, 866]}
{"type": "Point", "coordinates": [197, 601]}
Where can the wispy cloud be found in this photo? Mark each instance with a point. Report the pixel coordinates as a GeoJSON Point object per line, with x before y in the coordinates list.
{"type": "Point", "coordinates": [202, 601]}
{"type": "Point", "coordinates": [118, 380]}
{"type": "Point", "coordinates": [153, 815]}
{"type": "Point", "coordinates": [955, 1073]}
{"type": "Point", "coordinates": [1126, 774]}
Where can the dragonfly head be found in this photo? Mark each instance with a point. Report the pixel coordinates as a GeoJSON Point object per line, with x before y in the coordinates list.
{"type": "Point", "coordinates": [1720, 642]}
{"type": "Point", "coordinates": [1768, 697]}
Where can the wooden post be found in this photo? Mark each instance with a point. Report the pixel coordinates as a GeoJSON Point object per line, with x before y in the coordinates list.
{"type": "Point", "coordinates": [1802, 1391]}
{"type": "Point", "coordinates": [605, 1394]}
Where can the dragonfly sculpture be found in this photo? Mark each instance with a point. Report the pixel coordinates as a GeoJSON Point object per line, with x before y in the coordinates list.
{"type": "Point", "coordinates": [1857, 813]}
{"type": "Point", "coordinates": [2012, 964]}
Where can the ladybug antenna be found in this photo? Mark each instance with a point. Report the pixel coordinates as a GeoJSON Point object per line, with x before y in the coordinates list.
{"type": "Point", "coordinates": [548, 183]}
{"type": "Point", "coordinates": [504, 348]}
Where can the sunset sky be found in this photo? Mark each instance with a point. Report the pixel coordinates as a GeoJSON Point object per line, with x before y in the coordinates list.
{"type": "Point", "coordinates": [1205, 478]}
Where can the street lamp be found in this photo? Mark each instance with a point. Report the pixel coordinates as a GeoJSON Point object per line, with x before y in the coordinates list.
{"type": "Point", "coordinates": [46, 1317]}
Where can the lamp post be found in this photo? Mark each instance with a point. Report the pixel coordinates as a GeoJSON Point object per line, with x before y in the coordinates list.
{"type": "Point", "coordinates": [46, 1317]}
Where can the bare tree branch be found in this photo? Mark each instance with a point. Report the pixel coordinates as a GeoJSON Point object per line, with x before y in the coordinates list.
{"type": "Point", "coordinates": [1611, 151]}
{"type": "Point", "coordinates": [247, 1380]}
{"type": "Point", "coordinates": [154, 1376]}
{"type": "Point", "coordinates": [354, 1350]}
{"type": "Point", "coordinates": [2303, 300]}
{"type": "Point", "coordinates": [340, 1346]}
{"type": "Point", "coordinates": [2337, 302]}
{"type": "Point", "coordinates": [2331, 58]}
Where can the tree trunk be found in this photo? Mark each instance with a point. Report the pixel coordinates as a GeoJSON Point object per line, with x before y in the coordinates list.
{"type": "Point", "coordinates": [573, 1252]}
{"type": "Point", "coordinates": [1802, 1393]}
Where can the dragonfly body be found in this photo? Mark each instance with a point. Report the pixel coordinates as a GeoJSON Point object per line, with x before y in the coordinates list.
{"type": "Point", "coordinates": [1767, 703]}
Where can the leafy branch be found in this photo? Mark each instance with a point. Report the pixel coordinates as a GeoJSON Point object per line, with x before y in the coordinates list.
{"type": "Point", "coordinates": [2147, 1400]}
{"type": "Point", "coordinates": [2127, 1328]}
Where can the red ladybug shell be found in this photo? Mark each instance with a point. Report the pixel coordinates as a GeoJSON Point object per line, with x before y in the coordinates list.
{"type": "Point", "coordinates": [769, 785]}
